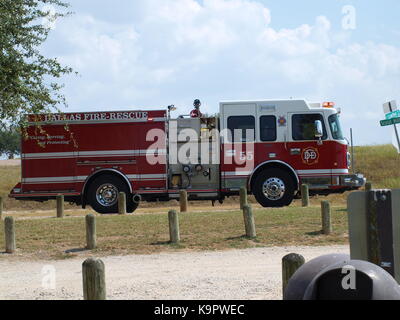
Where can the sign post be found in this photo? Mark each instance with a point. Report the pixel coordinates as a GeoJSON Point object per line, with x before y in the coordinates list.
{"type": "Point", "coordinates": [374, 228]}
{"type": "Point", "coordinates": [392, 118]}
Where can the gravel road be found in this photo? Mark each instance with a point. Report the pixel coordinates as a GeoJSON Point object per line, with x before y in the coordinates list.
{"type": "Point", "coordinates": [237, 275]}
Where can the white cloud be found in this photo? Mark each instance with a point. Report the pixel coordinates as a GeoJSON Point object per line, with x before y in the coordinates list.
{"type": "Point", "coordinates": [178, 50]}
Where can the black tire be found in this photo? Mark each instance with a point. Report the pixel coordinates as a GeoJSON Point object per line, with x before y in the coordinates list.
{"type": "Point", "coordinates": [113, 185]}
{"type": "Point", "coordinates": [278, 178]}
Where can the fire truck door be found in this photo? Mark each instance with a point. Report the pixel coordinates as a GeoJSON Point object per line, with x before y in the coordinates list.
{"type": "Point", "coordinates": [151, 162]}
{"type": "Point", "coordinates": [308, 154]}
{"type": "Point", "coordinates": [238, 149]}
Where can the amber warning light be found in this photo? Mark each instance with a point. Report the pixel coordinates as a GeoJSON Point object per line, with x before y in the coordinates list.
{"type": "Point", "coordinates": [329, 105]}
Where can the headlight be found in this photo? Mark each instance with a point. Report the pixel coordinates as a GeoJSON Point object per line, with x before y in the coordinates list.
{"type": "Point", "coordinates": [348, 160]}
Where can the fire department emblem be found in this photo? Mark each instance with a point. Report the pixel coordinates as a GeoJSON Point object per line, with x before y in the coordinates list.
{"type": "Point", "coordinates": [310, 156]}
{"type": "Point", "coordinates": [282, 121]}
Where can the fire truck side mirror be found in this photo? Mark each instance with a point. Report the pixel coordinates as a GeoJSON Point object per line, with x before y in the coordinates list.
{"type": "Point", "coordinates": [319, 129]}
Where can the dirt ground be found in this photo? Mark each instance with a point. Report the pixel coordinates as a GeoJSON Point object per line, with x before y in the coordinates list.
{"type": "Point", "coordinates": [251, 274]}
{"type": "Point", "coordinates": [10, 163]}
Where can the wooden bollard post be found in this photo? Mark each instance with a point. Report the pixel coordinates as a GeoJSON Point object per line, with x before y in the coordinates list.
{"type": "Point", "coordinates": [243, 197]}
{"type": "Point", "coordinates": [174, 234]}
{"type": "Point", "coordinates": [183, 199]}
{"type": "Point", "coordinates": [305, 195]}
{"type": "Point", "coordinates": [94, 280]}
{"type": "Point", "coordinates": [373, 243]}
{"type": "Point", "coordinates": [326, 217]}
{"type": "Point", "coordinates": [9, 231]}
{"type": "Point", "coordinates": [60, 206]}
{"type": "Point", "coordinates": [290, 264]}
{"type": "Point", "coordinates": [249, 222]}
{"type": "Point", "coordinates": [1, 207]}
{"type": "Point", "coordinates": [91, 239]}
{"type": "Point", "coordinates": [122, 203]}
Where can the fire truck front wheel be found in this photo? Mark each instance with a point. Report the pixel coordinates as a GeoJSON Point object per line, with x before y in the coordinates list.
{"type": "Point", "coordinates": [103, 195]}
{"type": "Point", "coordinates": [274, 188]}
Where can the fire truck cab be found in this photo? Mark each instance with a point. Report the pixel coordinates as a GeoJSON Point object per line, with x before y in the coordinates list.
{"type": "Point", "coordinates": [270, 146]}
{"type": "Point", "coordinates": [294, 143]}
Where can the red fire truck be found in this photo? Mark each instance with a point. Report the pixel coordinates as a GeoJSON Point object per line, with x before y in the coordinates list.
{"type": "Point", "coordinates": [271, 147]}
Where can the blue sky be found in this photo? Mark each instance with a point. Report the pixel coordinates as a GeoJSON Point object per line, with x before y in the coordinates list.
{"type": "Point", "coordinates": [152, 53]}
{"type": "Point", "coordinates": [376, 20]}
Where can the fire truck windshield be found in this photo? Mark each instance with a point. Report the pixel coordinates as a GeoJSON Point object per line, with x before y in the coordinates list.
{"type": "Point", "coordinates": [336, 128]}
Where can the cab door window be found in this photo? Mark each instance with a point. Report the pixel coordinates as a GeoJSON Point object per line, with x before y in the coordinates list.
{"type": "Point", "coordinates": [242, 128]}
{"type": "Point", "coordinates": [268, 128]}
{"type": "Point", "coordinates": [336, 128]}
{"type": "Point", "coordinates": [303, 127]}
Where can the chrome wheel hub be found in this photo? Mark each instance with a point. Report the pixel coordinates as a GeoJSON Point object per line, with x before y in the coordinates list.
{"type": "Point", "coordinates": [274, 189]}
{"type": "Point", "coordinates": [107, 195]}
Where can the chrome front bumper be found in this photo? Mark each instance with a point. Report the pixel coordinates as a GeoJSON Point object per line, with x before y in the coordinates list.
{"type": "Point", "coordinates": [353, 181]}
{"type": "Point", "coordinates": [346, 182]}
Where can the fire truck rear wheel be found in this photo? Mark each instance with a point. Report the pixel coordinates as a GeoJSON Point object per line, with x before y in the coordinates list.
{"type": "Point", "coordinates": [274, 188]}
{"type": "Point", "coordinates": [103, 195]}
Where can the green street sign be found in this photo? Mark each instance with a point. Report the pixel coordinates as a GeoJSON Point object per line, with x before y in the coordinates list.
{"type": "Point", "coordinates": [393, 115]}
{"type": "Point", "coordinates": [390, 122]}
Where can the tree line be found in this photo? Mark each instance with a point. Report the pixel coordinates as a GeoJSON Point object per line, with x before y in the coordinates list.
{"type": "Point", "coordinates": [30, 83]}
{"type": "Point", "coordinates": [10, 141]}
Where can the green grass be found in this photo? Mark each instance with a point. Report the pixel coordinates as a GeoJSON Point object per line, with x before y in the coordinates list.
{"type": "Point", "coordinates": [146, 234]}
{"type": "Point", "coordinates": [380, 164]}
{"type": "Point", "coordinates": [9, 177]}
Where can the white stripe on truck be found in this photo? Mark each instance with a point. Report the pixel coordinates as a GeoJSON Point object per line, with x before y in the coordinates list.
{"type": "Point", "coordinates": [299, 172]}
{"type": "Point", "coordinates": [92, 154]}
{"type": "Point", "coordinates": [137, 177]}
